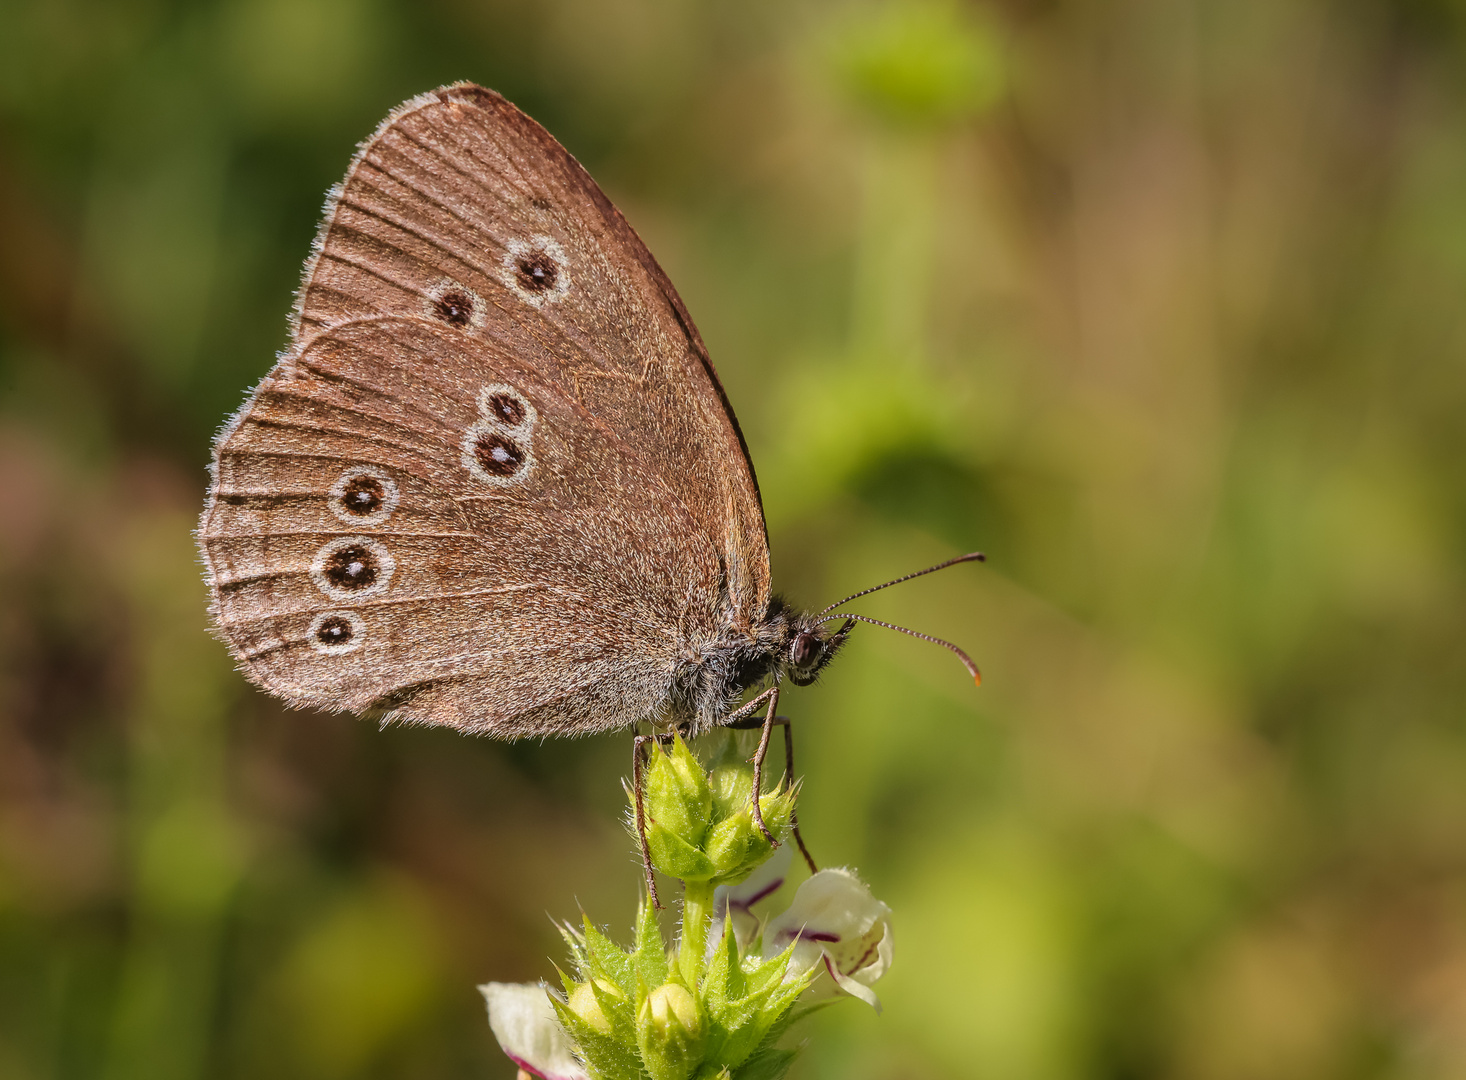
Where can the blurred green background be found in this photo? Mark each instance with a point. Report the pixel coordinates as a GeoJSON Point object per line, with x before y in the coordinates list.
{"type": "Point", "coordinates": [1161, 302]}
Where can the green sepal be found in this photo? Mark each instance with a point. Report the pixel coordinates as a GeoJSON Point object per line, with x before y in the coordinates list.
{"type": "Point", "coordinates": [771, 1064]}
{"type": "Point", "coordinates": [766, 973]}
{"type": "Point", "coordinates": [675, 857]}
{"type": "Point", "coordinates": [730, 777]}
{"type": "Point", "coordinates": [678, 798]}
{"type": "Point", "coordinates": [649, 959]}
{"type": "Point", "coordinates": [574, 942]}
{"type": "Point", "coordinates": [620, 1011]}
{"type": "Point", "coordinates": [604, 1057]}
{"type": "Point", "coordinates": [724, 980]}
{"type": "Point", "coordinates": [675, 1047]}
{"type": "Point", "coordinates": [744, 1005]}
{"type": "Point", "coordinates": [789, 1017]}
{"type": "Point", "coordinates": [768, 1062]}
{"type": "Point", "coordinates": [700, 829]}
{"type": "Point", "coordinates": [741, 1026]}
{"type": "Point", "coordinates": [737, 847]}
{"type": "Point", "coordinates": [604, 959]}
{"type": "Point", "coordinates": [724, 987]}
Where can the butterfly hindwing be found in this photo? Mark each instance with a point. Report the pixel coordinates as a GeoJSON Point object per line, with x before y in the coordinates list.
{"type": "Point", "coordinates": [405, 517]}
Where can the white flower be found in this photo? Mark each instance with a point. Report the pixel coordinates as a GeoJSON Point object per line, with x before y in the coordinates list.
{"type": "Point", "coordinates": [737, 900]}
{"type": "Point", "coordinates": [835, 920]}
{"type": "Point", "coordinates": [529, 1032]}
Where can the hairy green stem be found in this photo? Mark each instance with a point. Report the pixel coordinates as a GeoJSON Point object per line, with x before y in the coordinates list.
{"type": "Point", "coordinates": [697, 913]}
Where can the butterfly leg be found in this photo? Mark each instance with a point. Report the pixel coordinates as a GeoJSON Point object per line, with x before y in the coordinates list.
{"type": "Point", "coordinates": [740, 719]}
{"type": "Point", "coordinates": [637, 784]}
{"type": "Point", "coordinates": [758, 763]}
{"type": "Point", "coordinates": [783, 721]}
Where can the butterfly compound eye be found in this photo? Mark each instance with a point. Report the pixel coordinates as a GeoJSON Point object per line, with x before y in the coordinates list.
{"type": "Point", "coordinates": [805, 649]}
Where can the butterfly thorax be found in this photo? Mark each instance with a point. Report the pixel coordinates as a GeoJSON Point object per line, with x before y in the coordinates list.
{"type": "Point", "coordinates": [713, 677]}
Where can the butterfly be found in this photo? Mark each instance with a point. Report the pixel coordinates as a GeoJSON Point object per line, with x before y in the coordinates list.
{"type": "Point", "coordinates": [493, 483]}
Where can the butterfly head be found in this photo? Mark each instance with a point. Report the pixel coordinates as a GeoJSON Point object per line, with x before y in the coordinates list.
{"type": "Point", "coordinates": [810, 648]}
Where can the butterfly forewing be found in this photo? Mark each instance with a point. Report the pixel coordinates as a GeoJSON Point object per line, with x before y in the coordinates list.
{"type": "Point", "coordinates": [407, 517]}
{"type": "Point", "coordinates": [463, 211]}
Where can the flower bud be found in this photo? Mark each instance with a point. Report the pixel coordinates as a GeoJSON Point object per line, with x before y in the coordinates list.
{"type": "Point", "coordinates": [730, 777]}
{"type": "Point", "coordinates": [672, 1032]}
{"type": "Point", "coordinates": [677, 793]}
{"type": "Point", "coordinates": [736, 846]}
{"type": "Point", "coordinates": [700, 825]}
{"type": "Point", "coordinates": [585, 1004]}
{"type": "Point", "coordinates": [678, 808]}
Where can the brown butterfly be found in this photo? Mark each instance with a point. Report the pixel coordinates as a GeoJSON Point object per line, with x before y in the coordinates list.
{"type": "Point", "coordinates": [494, 482]}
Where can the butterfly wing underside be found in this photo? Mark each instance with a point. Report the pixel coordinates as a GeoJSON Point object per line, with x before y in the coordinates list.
{"type": "Point", "coordinates": [459, 195]}
{"type": "Point", "coordinates": [495, 484]}
{"type": "Point", "coordinates": [362, 554]}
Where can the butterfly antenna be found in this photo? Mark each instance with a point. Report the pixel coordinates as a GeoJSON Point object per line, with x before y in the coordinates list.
{"type": "Point", "coordinates": [971, 556]}
{"type": "Point", "coordinates": [966, 660]}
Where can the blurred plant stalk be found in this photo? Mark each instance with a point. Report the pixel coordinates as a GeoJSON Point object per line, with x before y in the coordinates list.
{"type": "Point", "coordinates": [186, 851]}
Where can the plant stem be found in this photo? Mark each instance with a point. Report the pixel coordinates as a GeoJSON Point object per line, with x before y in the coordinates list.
{"type": "Point", "coordinates": [697, 912]}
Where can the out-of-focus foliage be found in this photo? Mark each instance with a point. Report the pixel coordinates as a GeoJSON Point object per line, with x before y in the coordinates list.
{"type": "Point", "coordinates": [1158, 302]}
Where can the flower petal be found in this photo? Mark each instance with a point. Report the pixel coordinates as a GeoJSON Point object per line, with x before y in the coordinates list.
{"type": "Point", "coordinates": [524, 1022]}
{"type": "Point", "coordinates": [851, 987]}
{"type": "Point", "coordinates": [835, 921]}
{"type": "Point", "coordinates": [737, 900]}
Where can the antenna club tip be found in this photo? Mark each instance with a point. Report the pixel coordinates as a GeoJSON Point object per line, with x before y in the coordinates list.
{"type": "Point", "coordinates": [979, 556]}
{"type": "Point", "coordinates": [977, 678]}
